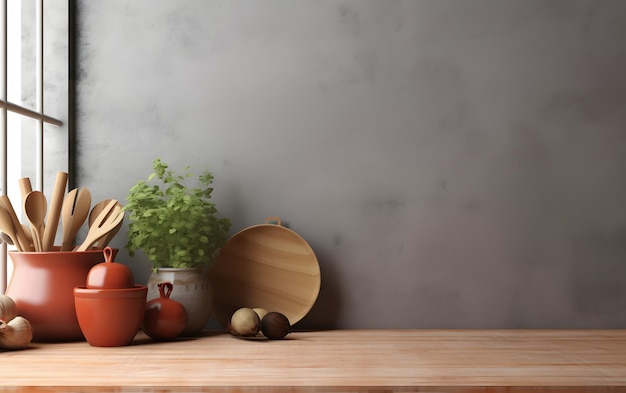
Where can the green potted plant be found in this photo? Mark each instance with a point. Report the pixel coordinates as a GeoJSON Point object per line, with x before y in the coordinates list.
{"type": "Point", "coordinates": [174, 222]}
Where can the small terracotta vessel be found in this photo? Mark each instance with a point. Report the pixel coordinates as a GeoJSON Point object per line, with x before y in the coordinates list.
{"type": "Point", "coordinates": [110, 317]}
{"type": "Point", "coordinates": [164, 318]}
{"type": "Point", "coordinates": [109, 274]}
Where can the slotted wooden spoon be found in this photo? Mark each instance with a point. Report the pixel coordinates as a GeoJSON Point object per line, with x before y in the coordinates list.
{"type": "Point", "coordinates": [105, 222]}
{"type": "Point", "coordinates": [73, 214]}
{"type": "Point", "coordinates": [106, 239]}
{"type": "Point", "coordinates": [95, 211]}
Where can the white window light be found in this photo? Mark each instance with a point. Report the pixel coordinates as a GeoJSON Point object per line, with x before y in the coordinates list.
{"type": "Point", "coordinates": [22, 113]}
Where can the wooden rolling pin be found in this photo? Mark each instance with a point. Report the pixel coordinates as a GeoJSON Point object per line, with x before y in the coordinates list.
{"type": "Point", "coordinates": [54, 211]}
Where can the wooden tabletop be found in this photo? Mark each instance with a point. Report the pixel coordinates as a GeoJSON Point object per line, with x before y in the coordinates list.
{"type": "Point", "coordinates": [336, 360]}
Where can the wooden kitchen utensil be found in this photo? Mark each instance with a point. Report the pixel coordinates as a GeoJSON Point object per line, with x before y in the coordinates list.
{"type": "Point", "coordinates": [267, 266]}
{"type": "Point", "coordinates": [27, 236]}
{"type": "Point", "coordinates": [97, 209]}
{"type": "Point", "coordinates": [6, 239]}
{"type": "Point", "coordinates": [25, 187]}
{"type": "Point", "coordinates": [35, 207]}
{"type": "Point", "coordinates": [106, 221]}
{"type": "Point", "coordinates": [74, 212]}
{"type": "Point", "coordinates": [54, 212]}
{"type": "Point", "coordinates": [104, 240]}
{"type": "Point", "coordinates": [7, 227]}
{"type": "Point", "coordinates": [23, 234]}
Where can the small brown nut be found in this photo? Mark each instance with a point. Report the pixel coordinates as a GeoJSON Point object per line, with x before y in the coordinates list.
{"type": "Point", "coordinates": [275, 325]}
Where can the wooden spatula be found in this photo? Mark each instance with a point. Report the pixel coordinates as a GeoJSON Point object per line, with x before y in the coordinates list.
{"type": "Point", "coordinates": [106, 221]}
{"type": "Point", "coordinates": [73, 214]}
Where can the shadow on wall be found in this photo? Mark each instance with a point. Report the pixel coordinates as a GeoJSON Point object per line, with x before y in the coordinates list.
{"type": "Point", "coordinates": [597, 272]}
{"type": "Point", "coordinates": [326, 311]}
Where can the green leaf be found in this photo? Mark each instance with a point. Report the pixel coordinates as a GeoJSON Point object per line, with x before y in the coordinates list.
{"type": "Point", "coordinates": [172, 218]}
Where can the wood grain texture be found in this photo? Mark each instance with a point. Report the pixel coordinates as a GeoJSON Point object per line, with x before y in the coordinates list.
{"type": "Point", "coordinates": [341, 360]}
{"type": "Point", "coordinates": [267, 266]}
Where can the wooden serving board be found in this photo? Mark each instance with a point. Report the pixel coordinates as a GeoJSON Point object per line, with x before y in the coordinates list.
{"type": "Point", "coordinates": [267, 266]}
{"type": "Point", "coordinates": [342, 360]}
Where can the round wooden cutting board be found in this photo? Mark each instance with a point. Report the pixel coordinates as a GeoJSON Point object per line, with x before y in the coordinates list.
{"type": "Point", "coordinates": [267, 266]}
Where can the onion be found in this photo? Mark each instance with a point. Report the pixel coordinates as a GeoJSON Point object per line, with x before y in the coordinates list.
{"type": "Point", "coordinates": [244, 322]}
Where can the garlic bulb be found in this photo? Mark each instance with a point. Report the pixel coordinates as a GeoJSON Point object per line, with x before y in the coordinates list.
{"type": "Point", "coordinates": [8, 308]}
{"type": "Point", "coordinates": [15, 334]}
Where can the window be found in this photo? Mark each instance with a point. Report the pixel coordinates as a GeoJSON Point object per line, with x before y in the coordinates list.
{"type": "Point", "coordinates": [34, 91]}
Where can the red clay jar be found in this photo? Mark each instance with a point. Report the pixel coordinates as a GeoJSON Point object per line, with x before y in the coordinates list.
{"type": "Point", "coordinates": [42, 286]}
{"type": "Point", "coordinates": [110, 317]}
{"type": "Point", "coordinates": [165, 318]}
{"type": "Point", "coordinates": [109, 274]}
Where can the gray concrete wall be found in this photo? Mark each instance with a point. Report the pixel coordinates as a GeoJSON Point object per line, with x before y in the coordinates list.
{"type": "Point", "coordinates": [453, 163]}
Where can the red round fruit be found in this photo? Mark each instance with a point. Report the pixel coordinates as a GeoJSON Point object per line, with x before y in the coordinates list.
{"type": "Point", "coordinates": [164, 318]}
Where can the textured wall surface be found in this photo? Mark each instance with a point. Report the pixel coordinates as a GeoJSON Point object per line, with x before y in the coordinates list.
{"type": "Point", "coordinates": [453, 163]}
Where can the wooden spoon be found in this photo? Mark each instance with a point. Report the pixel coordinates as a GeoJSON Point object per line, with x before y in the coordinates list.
{"type": "Point", "coordinates": [21, 230]}
{"type": "Point", "coordinates": [7, 227]}
{"type": "Point", "coordinates": [73, 214]}
{"type": "Point", "coordinates": [27, 243]}
{"type": "Point", "coordinates": [35, 207]}
{"type": "Point", "coordinates": [6, 239]}
{"type": "Point", "coordinates": [107, 220]}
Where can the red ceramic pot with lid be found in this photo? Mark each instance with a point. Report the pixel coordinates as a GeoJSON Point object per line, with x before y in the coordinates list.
{"type": "Point", "coordinates": [110, 307]}
{"type": "Point", "coordinates": [110, 274]}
